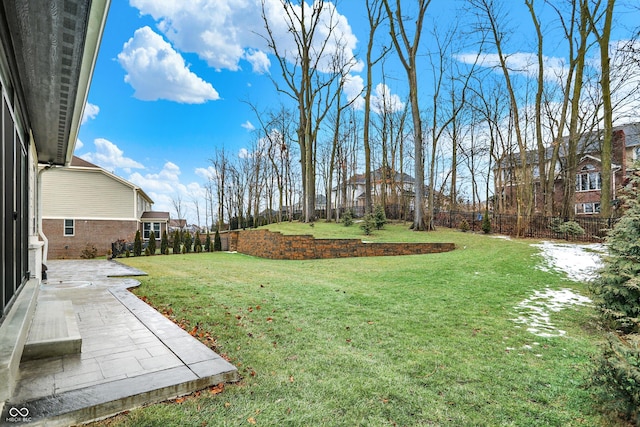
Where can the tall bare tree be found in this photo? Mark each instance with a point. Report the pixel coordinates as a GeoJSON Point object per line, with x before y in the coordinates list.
{"type": "Point", "coordinates": [407, 50]}
{"type": "Point", "coordinates": [492, 20]}
{"type": "Point", "coordinates": [306, 79]}
{"type": "Point", "coordinates": [603, 36]}
{"type": "Point", "coordinates": [376, 17]}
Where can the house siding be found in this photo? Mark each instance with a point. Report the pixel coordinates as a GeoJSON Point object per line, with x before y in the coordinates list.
{"type": "Point", "coordinates": [97, 233]}
{"type": "Point", "coordinates": [87, 194]}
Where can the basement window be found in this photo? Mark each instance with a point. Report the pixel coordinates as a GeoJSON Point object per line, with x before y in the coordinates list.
{"type": "Point", "coordinates": [69, 227]}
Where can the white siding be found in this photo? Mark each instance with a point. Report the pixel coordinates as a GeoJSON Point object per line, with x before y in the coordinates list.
{"type": "Point", "coordinates": [85, 193]}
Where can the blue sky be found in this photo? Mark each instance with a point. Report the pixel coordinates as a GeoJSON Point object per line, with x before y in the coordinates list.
{"type": "Point", "coordinates": [172, 78]}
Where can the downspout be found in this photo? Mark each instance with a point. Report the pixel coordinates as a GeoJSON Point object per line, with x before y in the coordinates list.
{"type": "Point", "coordinates": [45, 248]}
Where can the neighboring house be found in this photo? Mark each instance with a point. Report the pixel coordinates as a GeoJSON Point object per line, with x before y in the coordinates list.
{"type": "Point", "coordinates": [46, 63]}
{"type": "Point", "coordinates": [399, 189]}
{"type": "Point", "coordinates": [588, 179]}
{"type": "Point", "coordinates": [177, 225]}
{"type": "Point", "coordinates": [85, 206]}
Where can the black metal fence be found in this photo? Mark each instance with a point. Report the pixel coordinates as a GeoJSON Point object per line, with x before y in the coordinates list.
{"type": "Point", "coordinates": [537, 226]}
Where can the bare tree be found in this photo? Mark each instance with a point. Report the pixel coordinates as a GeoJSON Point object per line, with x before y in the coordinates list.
{"type": "Point", "coordinates": [305, 80]}
{"type": "Point", "coordinates": [603, 36]}
{"type": "Point", "coordinates": [376, 17]}
{"type": "Point", "coordinates": [221, 166]}
{"type": "Point", "coordinates": [491, 20]}
{"type": "Point", "coordinates": [178, 207]}
{"type": "Point", "coordinates": [407, 51]}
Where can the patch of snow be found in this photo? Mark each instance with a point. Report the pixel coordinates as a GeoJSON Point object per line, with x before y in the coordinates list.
{"type": "Point", "coordinates": [535, 311]}
{"type": "Point", "coordinates": [500, 236]}
{"type": "Point", "coordinates": [579, 262]}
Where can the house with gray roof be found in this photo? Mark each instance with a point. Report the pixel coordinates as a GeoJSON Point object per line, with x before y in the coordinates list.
{"type": "Point", "coordinates": [588, 179]}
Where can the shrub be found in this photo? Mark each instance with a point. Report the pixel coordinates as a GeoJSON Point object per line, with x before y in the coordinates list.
{"type": "Point", "coordinates": [89, 252]}
{"type": "Point", "coordinates": [164, 243]}
{"type": "Point", "coordinates": [147, 251]}
{"type": "Point", "coordinates": [368, 224]}
{"type": "Point", "coordinates": [217, 243]}
{"type": "Point", "coordinates": [127, 253]}
{"type": "Point", "coordinates": [137, 244]}
{"type": "Point", "coordinates": [380, 218]}
{"type": "Point", "coordinates": [207, 243]}
{"type": "Point", "coordinates": [347, 218]}
{"type": "Point", "coordinates": [176, 242]}
{"type": "Point", "coordinates": [486, 223]}
{"type": "Point", "coordinates": [152, 243]}
{"type": "Point", "coordinates": [566, 228]}
{"type": "Point", "coordinates": [188, 242]}
{"type": "Point", "coordinates": [618, 371]}
{"type": "Point", "coordinates": [463, 225]}
{"type": "Point", "coordinates": [197, 243]}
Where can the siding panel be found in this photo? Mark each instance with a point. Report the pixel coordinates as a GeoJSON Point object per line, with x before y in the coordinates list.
{"type": "Point", "coordinates": [80, 193]}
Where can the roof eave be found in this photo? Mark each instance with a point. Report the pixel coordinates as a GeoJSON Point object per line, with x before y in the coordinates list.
{"type": "Point", "coordinates": [95, 29]}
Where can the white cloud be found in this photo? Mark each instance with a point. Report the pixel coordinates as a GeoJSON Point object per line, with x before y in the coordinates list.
{"type": "Point", "coordinates": [156, 71]}
{"type": "Point", "coordinates": [248, 126]}
{"type": "Point", "coordinates": [259, 61]}
{"type": "Point", "coordinates": [225, 32]}
{"type": "Point", "coordinates": [79, 144]}
{"type": "Point", "coordinates": [524, 63]}
{"type": "Point", "coordinates": [206, 173]}
{"type": "Point", "coordinates": [110, 157]}
{"type": "Point", "coordinates": [243, 153]}
{"type": "Point", "coordinates": [90, 112]}
{"type": "Point", "coordinates": [353, 86]}
{"type": "Point", "coordinates": [383, 100]}
{"type": "Point", "coordinates": [165, 186]}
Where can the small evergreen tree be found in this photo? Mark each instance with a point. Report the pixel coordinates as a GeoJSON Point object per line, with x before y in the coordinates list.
{"type": "Point", "coordinates": [379, 216]}
{"type": "Point", "coordinates": [617, 293]}
{"type": "Point", "coordinates": [486, 223]}
{"type": "Point", "coordinates": [347, 218]}
{"type": "Point", "coordinates": [152, 243]}
{"type": "Point", "coordinates": [164, 243]}
{"type": "Point", "coordinates": [137, 244]}
{"type": "Point", "coordinates": [217, 243]}
{"type": "Point", "coordinates": [464, 225]}
{"type": "Point", "coordinates": [368, 224]}
{"type": "Point", "coordinates": [176, 242]}
{"type": "Point", "coordinates": [188, 242]}
{"type": "Point", "coordinates": [207, 243]}
{"type": "Point", "coordinates": [197, 243]}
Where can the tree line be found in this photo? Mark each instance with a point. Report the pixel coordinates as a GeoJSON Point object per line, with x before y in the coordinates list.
{"type": "Point", "coordinates": [468, 124]}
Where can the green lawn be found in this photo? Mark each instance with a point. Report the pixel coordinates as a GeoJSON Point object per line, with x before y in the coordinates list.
{"type": "Point", "coordinates": [413, 340]}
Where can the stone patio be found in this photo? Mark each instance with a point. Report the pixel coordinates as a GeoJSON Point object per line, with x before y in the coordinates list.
{"type": "Point", "coordinates": [130, 354]}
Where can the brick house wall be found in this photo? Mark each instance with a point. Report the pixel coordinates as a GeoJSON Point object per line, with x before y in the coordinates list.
{"type": "Point", "coordinates": [99, 233]}
{"type": "Point", "coordinates": [274, 245]}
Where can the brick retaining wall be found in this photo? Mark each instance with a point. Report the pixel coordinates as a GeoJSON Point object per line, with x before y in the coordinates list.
{"type": "Point", "coordinates": [275, 245]}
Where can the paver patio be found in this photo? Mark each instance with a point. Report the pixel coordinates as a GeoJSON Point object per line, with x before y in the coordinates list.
{"type": "Point", "coordinates": [131, 355]}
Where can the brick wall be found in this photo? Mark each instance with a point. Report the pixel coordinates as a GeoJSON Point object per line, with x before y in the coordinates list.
{"type": "Point", "coordinates": [274, 245]}
{"type": "Point", "coordinates": [95, 232]}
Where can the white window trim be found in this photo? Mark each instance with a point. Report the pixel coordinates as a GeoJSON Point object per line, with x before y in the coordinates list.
{"type": "Point", "coordinates": [598, 184]}
{"type": "Point", "coordinates": [152, 224]}
{"type": "Point", "coordinates": [72, 226]}
{"type": "Point", "coordinates": [581, 208]}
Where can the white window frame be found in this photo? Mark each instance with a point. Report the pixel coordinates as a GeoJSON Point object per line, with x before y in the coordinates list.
{"type": "Point", "coordinates": [155, 226]}
{"type": "Point", "coordinates": [65, 227]}
{"type": "Point", "coordinates": [590, 208]}
{"type": "Point", "coordinates": [588, 181]}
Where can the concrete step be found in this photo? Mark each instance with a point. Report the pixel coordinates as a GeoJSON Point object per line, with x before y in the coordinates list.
{"type": "Point", "coordinates": [54, 331]}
